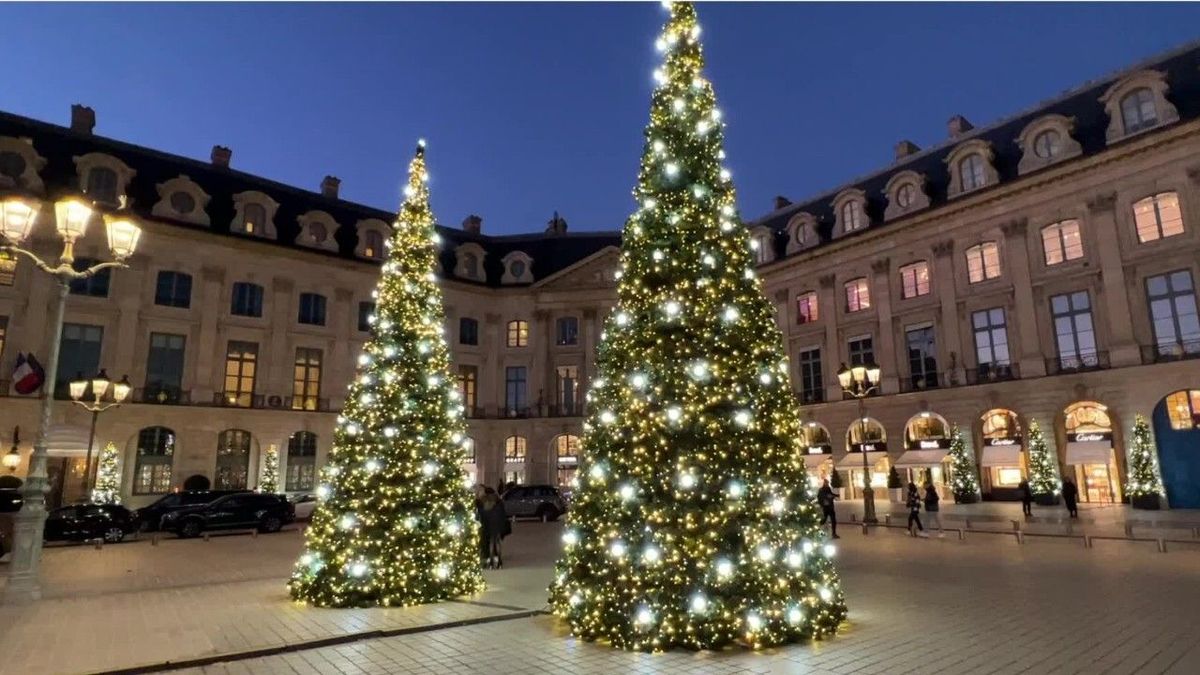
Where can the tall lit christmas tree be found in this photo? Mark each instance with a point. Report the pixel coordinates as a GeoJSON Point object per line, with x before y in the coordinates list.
{"type": "Point", "coordinates": [692, 524]}
{"type": "Point", "coordinates": [1145, 487]}
{"type": "Point", "coordinates": [107, 489]}
{"type": "Point", "coordinates": [1043, 469]}
{"type": "Point", "coordinates": [269, 479]}
{"type": "Point", "coordinates": [395, 523]}
{"type": "Point", "coordinates": [964, 482]}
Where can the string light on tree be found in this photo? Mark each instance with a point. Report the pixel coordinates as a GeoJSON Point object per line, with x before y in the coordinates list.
{"type": "Point", "coordinates": [268, 482]}
{"type": "Point", "coordinates": [1145, 487]}
{"type": "Point", "coordinates": [395, 522]}
{"type": "Point", "coordinates": [692, 506]}
{"type": "Point", "coordinates": [1043, 469]}
{"type": "Point", "coordinates": [108, 476]}
{"type": "Point", "coordinates": [964, 482]}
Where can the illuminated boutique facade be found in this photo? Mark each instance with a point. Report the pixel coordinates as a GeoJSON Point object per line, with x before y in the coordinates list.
{"type": "Point", "coordinates": [1042, 268]}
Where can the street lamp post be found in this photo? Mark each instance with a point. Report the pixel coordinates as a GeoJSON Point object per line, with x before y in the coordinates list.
{"type": "Point", "coordinates": [100, 386]}
{"type": "Point", "coordinates": [18, 213]}
{"type": "Point", "coordinates": [859, 382]}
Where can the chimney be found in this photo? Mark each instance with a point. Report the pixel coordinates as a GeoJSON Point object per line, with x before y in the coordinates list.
{"type": "Point", "coordinates": [221, 156]}
{"type": "Point", "coordinates": [329, 187]}
{"type": "Point", "coordinates": [83, 119]}
{"type": "Point", "coordinates": [958, 125]}
{"type": "Point", "coordinates": [556, 225]}
{"type": "Point", "coordinates": [906, 147]}
{"type": "Point", "coordinates": [781, 202]}
{"type": "Point", "coordinates": [472, 224]}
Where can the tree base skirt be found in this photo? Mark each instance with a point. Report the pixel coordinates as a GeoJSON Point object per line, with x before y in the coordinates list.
{"type": "Point", "coordinates": [1046, 500]}
{"type": "Point", "coordinates": [1147, 502]}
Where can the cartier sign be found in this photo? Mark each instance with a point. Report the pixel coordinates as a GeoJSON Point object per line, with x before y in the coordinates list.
{"type": "Point", "coordinates": [820, 449]}
{"type": "Point", "coordinates": [1090, 437]}
{"type": "Point", "coordinates": [1001, 441]}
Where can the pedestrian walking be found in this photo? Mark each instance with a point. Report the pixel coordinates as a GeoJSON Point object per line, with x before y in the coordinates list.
{"type": "Point", "coordinates": [825, 497]}
{"type": "Point", "coordinates": [1026, 497]}
{"type": "Point", "coordinates": [494, 526]}
{"type": "Point", "coordinates": [914, 510]}
{"type": "Point", "coordinates": [1070, 495]}
{"type": "Point", "coordinates": [932, 509]}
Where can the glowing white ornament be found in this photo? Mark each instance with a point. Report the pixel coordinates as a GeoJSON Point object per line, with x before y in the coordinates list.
{"type": "Point", "coordinates": [699, 603]}
{"type": "Point", "coordinates": [622, 318]}
{"type": "Point", "coordinates": [363, 359]}
{"type": "Point", "coordinates": [671, 308]}
{"type": "Point", "coordinates": [306, 559]}
{"type": "Point", "coordinates": [389, 351]}
{"type": "Point", "coordinates": [659, 146]}
{"type": "Point", "coordinates": [702, 127]}
{"type": "Point", "coordinates": [765, 378]}
{"type": "Point", "coordinates": [765, 553]}
{"type": "Point", "coordinates": [716, 114]}
{"type": "Point", "coordinates": [687, 480]}
{"type": "Point", "coordinates": [725, 175]}
{"type": "Point", "coordinates": [753, 621]}
{"type": "Point", "coordinates": [742, 418]}
{"type": "Point", "coordinates": [575, 599]}
{"type": "Point", "coordinates": [348, 522]}
{"type": "Point", "coordinates": [677, 105]}
{"type": "Point", "coordinates": [794, 559]}
{"type": "Point", "coordinates": [735, 489]}
{"type": "Point", "coordinates": [724, 569]}
{"type": "Point", "coordinates": [323, 491]}
{"type": "Point", "coordinates": [795, 616]}
{"type": "Point", "coordinates": [825, 594]}
{"type": "Point", "coordinates": [731, 314]}
{"type": "Point", "coordinates": [617, 549]}
{"type": "Point", "coordinates": [607, 417]}
{"type": "Point", "coordinates": [596, 472]}
{"type": "Point", "coordinates": [674, 413]}
{"type": "Point", "coordinates": [358, 569]}
{"type": "Point", "coordinates": [352, 429]}
{"type": "Point", "coordinates": [829, 550]}
{"type": "Point", "coordinates": [433, 380]}
{"type": "Point", "coordinates": [638, 381]}
{"type": "Point", "coordinates": [699, 370]}
{"type": "Point", "coordinates": [570, 537]}
{"type": "Point", "coordinates": [710, 261]}
{"type": "Point", "coordinates": [644, 616]}
{"type": "Point", "coordinates": [442, 571]}
{"type": "Point", "coordinates": [372, 465]}
{"type": "Point", "coordinates": [659, 76]}
{"type": "Point", "coordinates": [649, 204]}
{"type": "Point", "coordinates": [657, 255]}
{"type": "Point", "coordinates": [672, 169]}
{"type": "Point", "coordinates": [627, 492]}
{"type": "Point", "coordinates": [453, 528]}
{"type": "Point", "coordinates": [651, 554]}
{"type": "Point", "coordinates": [429, 468]}
{"type": "Point", "coordinates": [808, 547]}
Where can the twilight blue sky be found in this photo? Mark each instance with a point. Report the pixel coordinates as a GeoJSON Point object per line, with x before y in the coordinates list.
{"type": "Point", "coordinates": [530, 108]}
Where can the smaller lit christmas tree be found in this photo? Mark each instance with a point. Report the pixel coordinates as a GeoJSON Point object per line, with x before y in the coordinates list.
{"type": "Point", "coordinates": [108, 477]}
{"type": "Point", "coordinates": [963, 480]}
{"type": "Point", "coordinates": [1145, 487]}
{"type": "Point", "coordinates": [1043, 470]}
{"type": "Point", "coordinates": [269, 480]}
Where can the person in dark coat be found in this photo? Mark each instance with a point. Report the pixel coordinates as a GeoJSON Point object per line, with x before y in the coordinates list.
{"type": "Point", "coordinates": [914, 510]}
{"type": "Point", "coordinates": [1026, 493]}
{"type": "Point", "coordinates": [932, 507]}
{"type": "Point", "coordinates": [825, 497]}
{"type": "Point", "coordinates": [1070, 495]}
{"type": "Point", "coordinates": [494, 525]}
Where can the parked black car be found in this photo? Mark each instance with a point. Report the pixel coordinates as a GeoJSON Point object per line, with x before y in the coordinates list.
{"type": "Point", "coordinates": [266, 513]}
{"type": "Point", "coordinates": [80, 522]}
{"type": "Point", "coordinates": [544, 502]}
{"type": "Point", "coordinates": [152, 515]}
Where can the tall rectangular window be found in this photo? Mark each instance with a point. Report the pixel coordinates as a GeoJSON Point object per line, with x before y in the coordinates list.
{"type": "Point", "coordinates": [246, 300]}
{"type": "Point", "coordinates": [1061, 242]}
{"type": "Point", "coordinates": [761, 246]}
{"type": "Point", "coordinates": [79, 353]}
{"type": "Point", "coordinates": [1075, 336]}
{"type": "Point", "coordinates": [983, 262]}
{"type": "Point", "coordinates": [858, 295]}
{"type": "Point", "coordinates": [566, 389]}
{"type": "Point", "coordinates": [518, 333]}
{"type": "Point", "coordinates": [164, 367]}
{"type": "Point", "coordinates": [567, 330]}
{"type": "Point", "coordinates": [1158, 216]}
{"type": "Point", "coordinates": [515, 395]}
{"type": "Point", "coordinates": [922, 357]}
{"type": "Point", "coordinates": [991, 338]}
{"type": "Point", "coordinates": [861, 350]}
{"type": "Point", "coordinates": [241, 368]}
{"type": "Point", "coordinates": [306, 379]}
{"type": "Point", "coordinates": [96, 285]}
{"type": "Point", "coordinates": [312, 309]}
{"type": "Point", "coordinates": [468, 331]}
{"type": "Point", "coordinates": [468, 379]}
{"type": "Point", "coordinates": [914, 279]}
{"type": "Point", "coordinates": [365, 311]}
{"type": "Point", "coordinates": [1173, 311]}
{"type": "Point", "coordinates": [812, 388]}
{"type": "Point", "coordinates": [806, 307]}
{"type": "Point", "coordinates": [173, 289]}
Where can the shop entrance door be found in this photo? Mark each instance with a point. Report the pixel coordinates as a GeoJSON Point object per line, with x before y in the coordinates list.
{"type": "Point", "coordinates": [1095, 482]}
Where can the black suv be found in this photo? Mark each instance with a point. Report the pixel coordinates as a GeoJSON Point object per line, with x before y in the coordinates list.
{"type": "Point", "coordinates": [266, 513]}
{"type": "Point", "coordinates": [544, 502]}
{"type": "Point", "coordinates": [152, 515]}
{"type": "Point", "coordinates": [81, 522]}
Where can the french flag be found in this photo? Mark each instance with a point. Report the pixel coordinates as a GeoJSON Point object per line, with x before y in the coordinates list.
{"type": "Point", "coordinates": [28, 376]}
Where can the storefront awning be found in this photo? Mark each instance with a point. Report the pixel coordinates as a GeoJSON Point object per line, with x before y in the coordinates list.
{"type": "Point", "coordinates": [854, 460]}
{"type": "Point", "coordinates": [1088, 452]}
{"type": "Point", "coordinates": [1001, 455]}
{"type": "Point", "coordinates": [921, 458]}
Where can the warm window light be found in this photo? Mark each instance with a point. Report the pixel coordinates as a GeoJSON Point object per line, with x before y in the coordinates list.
{"type": "Point", "coordinates": [100, 384]}
{"type": "Point", "coordinates": [18, 218]}
{"type": "Point", "coordinates": [123, 235]}
{"type": "Point", "coordinates": [71, 218]}
{"type": "Point", "coordinates": [78, 386]}
{"type": "Point", "coordinates": [121, 390]}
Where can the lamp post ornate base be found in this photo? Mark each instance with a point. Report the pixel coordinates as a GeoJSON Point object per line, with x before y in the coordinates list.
{"type": "Point", "coordinates": [869, 506]}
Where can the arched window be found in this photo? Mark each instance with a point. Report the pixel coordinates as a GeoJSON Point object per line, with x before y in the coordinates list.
{"type": "Point", "coordinates": [1061, 242]}
{"type": "Point", "coordinates": [102, 185]}
{"type": "Point", "coordinates": [1137, 110]}
{"type": "Point", "coordinates": [155, 455]}
{"type": "Point", "coordinates": [816, 439]}
{"type": "Point", "coordinates": [1047, 144]}
{"type": "Point", "coordinates": [254, 218]}
{"type": "Point", "coordinates": [514, 449]}
{"type": "Point", "coordinates": [518, 333]}
{"type": "Point", "coordinates": [1158, 216]}
{"type": "Point", "coordinates": [1000, 463]}
{"type": "Point", "coordinates": [566, 450]}
{"type": "Point", "coordinates": [470, 265]}
{"type": "Point", "coordinates": [1087, 416]}
{"type": "Point", "coordinates": [1183, 409]}
{"type": "Point", "coordinates": [301, 461]}
{"type": "Point", "coordinates": [971, 172]}
{"type": "Point", "coordinates": [868, 432]}
{"type": "Point", "coordinates": [1001, 424]}
{"type": "Point", "coordinates": [926, 430]}
{"type": "Point", "coordinates": [233, 460]}
{"type": "Point", "coordinates": [317, 233]}
{"type": "Point", "coordinates": [983, 262]}
{"type": "Point", "coordinates": [905, 195]}
{"type": "Point", "coordinates": [853, 217]}
{"type": "Point", "coordinates": [374, 245]}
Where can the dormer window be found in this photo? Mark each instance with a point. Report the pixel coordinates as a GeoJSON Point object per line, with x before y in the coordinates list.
{"type": "Point", "coordinates": [317, 233]}
{"type": "Point", "coordinates": [970, 172]}
{"type": "Point", "coordinates": [102, 185]}
{"type": "Point", "coordinates": [12, 164]}
{"type": "Point", "coordinates": [762, 245]}
{"type": "Point", "coordinates": [971, 168]}
{"type": "Point", "coordinates": [1045, 141]}
{"type": "Point", "coordinates": [517, 268]}
{"type": "Point", "coordinates": [802, 232]}
{"type": "Point", "coordinates": [103, 178]}
{"type": "Point", "coordinates": [853, 217]}
{"type": "Point", "coordinates": [254, 214]}
{"type": "Point", "coordinates": [905, 194]}
{"type": "Point", "coordinates": [1048, 144]}
{"type": "Point", "coordinates": [20, 164]}
{"type": "Point", "coordinates": [183, 203]}
{"type": "Point", "coordinates": [318, 230]}
{"type": "Point", "coordinates": [850, 207]}
{"type": "Point", "coordinates": [1136, 103]}
{"type": "Point", "coordinates": [374, 246]}
{"type": "Point", "coordinates": [469, 262]}
{"type": "Point", "coordinates": [372, 238]}
{"type": "Point", "coordinates": [254, 218]}
{"type": "Point", "coordinates": [182, 199]}
{"type": "Point", "coordinates": [471, 265]}
{"type": "Point", "coordinates": [1137, 110]}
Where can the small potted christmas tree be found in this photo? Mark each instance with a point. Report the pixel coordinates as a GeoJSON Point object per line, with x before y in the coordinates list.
{"type": "Point", "coordinates": [1145, 487]}
{"type": "Point", "coordinates": [963, 481]}
{"type": "Point", "coordinates": [1043, 470]}
{"type": "Point", "coordinates": [895, 486]}
{"type": "Point", "coordinates": [835, 482]}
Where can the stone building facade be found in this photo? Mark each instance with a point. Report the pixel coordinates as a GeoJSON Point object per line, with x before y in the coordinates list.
{"type": "Point", "coordinates": [1041, 268]}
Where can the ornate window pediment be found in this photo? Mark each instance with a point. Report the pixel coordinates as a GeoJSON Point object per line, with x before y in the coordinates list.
{"type": "Point", "coordinates": [905, 194]}
{"type": "Point", "coordinates": [850, 211]}
{"type": "Point", "coordinates": [802, 232]}
{"type": "Point", "coordinates": [971, 168]}
{"type": "Point", "coordinates": [181, 198]}
{"type": "Point", "coordinates": [518, 268]}
{"type": "Point", "coordinates": [469, 262]}
{"type": "Point", "coordinates": [1137, 103]}
{"type": "Point", "coordinates": [254, 214]}
{"type": "Point", "coordinates": [103, 178]}
{"type": "Point", "coordinates": [318, 230]}
{"type": "Point", "coordinates": [20, 164]}
{"type": "Point", "coordinates": [1045, 141]}
{"type": "Point", "coordinates": [372, 238]}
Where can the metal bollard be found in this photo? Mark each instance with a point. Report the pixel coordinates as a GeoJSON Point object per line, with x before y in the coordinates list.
{"type": "Point", "coordinates": [254, 534]}
{"type": "Point", "coordinates": [968, 525]}
{"type": "Point", "coordinates": [854, 517]}
{"type": "Point", "coordinates": [99, 543]}
{"type": "Point", "coordinates": [1087, 541]}
{"type": "Point", "coordinates": [154, 540]}
{"type": "Point", "coordinates": [205, 536]}
{"type": "Point", "coordinates": [1196, 532]}
{"type": "Point", "coordinates": [866, 530]}
{"type": "Point", "coordinates": [1020, 537]}
{"type": "Point", "coordinates": [1129, 530]}
{"type": "Point", "coordinates": [1162, 545]}
{"type": "Point", "coordinates": [1016, 525]}
{"type": "Point", "coordinates": [962, 534]}
{"type": "Point", "coordinates": [887, 519]}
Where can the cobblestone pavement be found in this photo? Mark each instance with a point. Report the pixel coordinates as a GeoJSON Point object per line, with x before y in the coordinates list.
{"type": "Point", "coordinates": [986, 605]}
